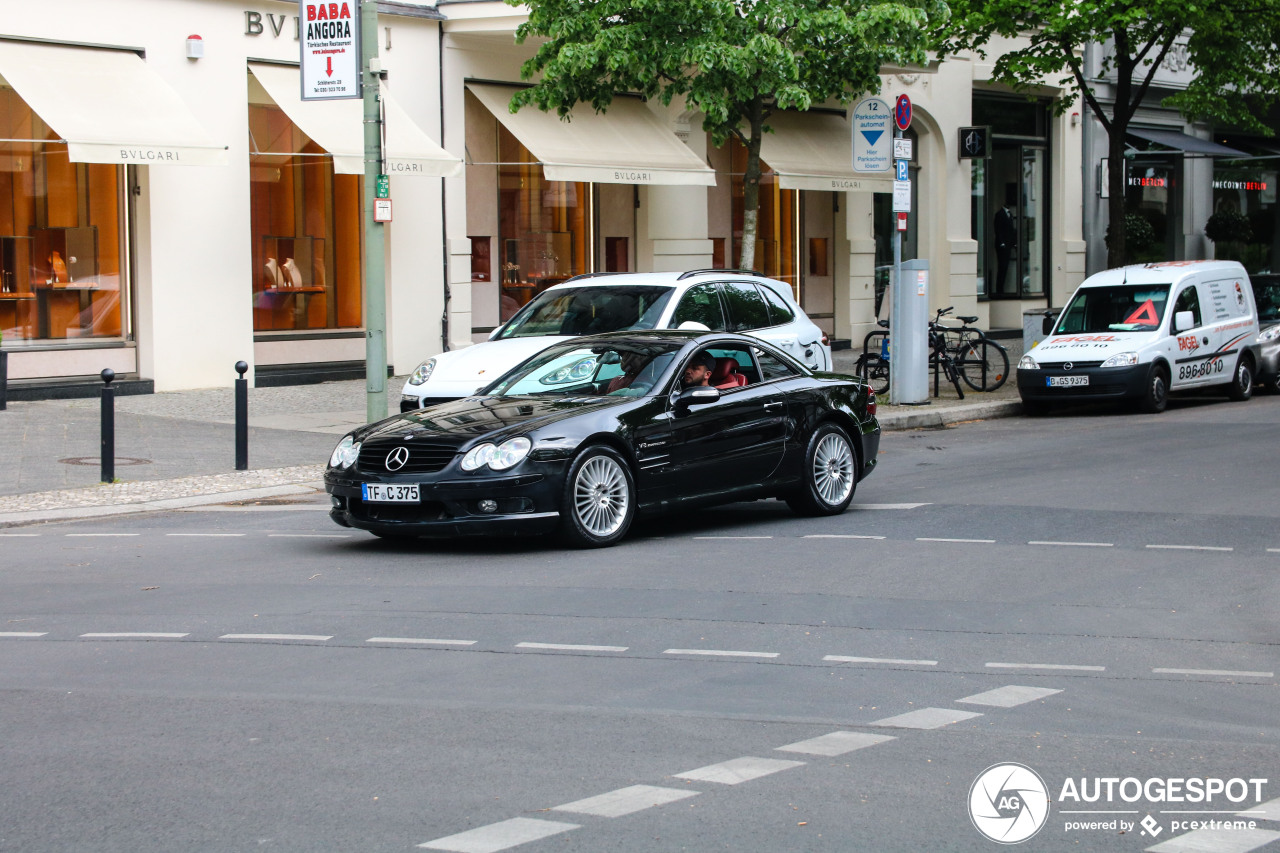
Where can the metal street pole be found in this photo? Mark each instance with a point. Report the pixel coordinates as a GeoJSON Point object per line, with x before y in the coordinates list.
{"type": "Point", "coordinates": [897, 325]}
{"type": "Point", "coordinates": [375, 292]}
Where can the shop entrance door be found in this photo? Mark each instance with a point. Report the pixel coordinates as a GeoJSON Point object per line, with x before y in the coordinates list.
{"type": "Point", "coordinates": [1017, 216]}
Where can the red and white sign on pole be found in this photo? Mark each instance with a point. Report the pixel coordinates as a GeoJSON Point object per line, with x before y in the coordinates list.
{"type": "Point", "coordinates": [330, 49]}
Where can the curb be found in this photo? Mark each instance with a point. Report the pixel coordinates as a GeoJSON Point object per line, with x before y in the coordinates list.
{"type": "Point", "coordinates": [35, 516]}
{"type": "Point", "coordinates": [924, 418]}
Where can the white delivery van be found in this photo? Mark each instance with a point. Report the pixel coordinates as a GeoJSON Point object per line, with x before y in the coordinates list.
{"type": "Point", "coordinates": [1140, 332]}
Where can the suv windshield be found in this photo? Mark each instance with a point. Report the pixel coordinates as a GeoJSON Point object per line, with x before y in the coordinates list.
{"type": "Point", "coordinates": [616, 369]}
{"type": "Point", "coordinates": [1119, 308]}
{"type": "Point", "coordinates": [589, 310]}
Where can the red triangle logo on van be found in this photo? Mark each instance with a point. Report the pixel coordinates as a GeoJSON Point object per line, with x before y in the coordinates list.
{"type": "Point", "coordinates": [1144, 316]}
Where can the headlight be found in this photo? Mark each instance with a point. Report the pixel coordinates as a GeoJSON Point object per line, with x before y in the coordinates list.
{"type": "Point", "coordinates": [509, 453]}
{"type": "Point", "coordinates": [1121, 359]}
{"type": "Point", "coordinates": [344, 455]}
{"type": "Point", "coordinates": [1028, 363]}
{"type": "Point", "coordinates": [423, 373]}
{"type": "Point", "coordinates": [579, 370]}
{"type": "Point", "coordinates": [478, 457]}
{"type": "Point", "coordinates": [1269, 334]}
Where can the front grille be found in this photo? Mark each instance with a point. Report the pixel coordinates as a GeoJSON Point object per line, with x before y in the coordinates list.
{"type": "Point", "coordinates": [424, 458]}
{"type": "Point", "coordinates": [403, 513]}
{"type": "Point", "coordinates": [1075, 365]}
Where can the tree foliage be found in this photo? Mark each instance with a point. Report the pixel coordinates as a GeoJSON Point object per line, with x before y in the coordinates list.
{"type": "Point", "coordinates": [1232, 47]}
{"type": "Point", "coordinates": [735, 61]}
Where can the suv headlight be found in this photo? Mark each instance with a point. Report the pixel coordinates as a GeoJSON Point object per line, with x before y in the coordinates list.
{"type": "Point", "coordinates": [345, 454]}
{"type": "Point", "coordinates": [1027, 363]}
{"type": "Point", "coordinates": [1121, 359]}
{"type": "Point", "coordinates": [509, 453]}
{"type": "Point", "coordinates": [423, 373]}
{"type": "Point", "coordinates": [1269, 334]}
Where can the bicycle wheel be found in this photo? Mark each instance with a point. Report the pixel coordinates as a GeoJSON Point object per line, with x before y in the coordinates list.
{"type": "Point", "coordinates": [874, 370]}
{"type": "Point", "coordinates": [953, 375]}
{"type": "Point", "coordinates": [983, 364]}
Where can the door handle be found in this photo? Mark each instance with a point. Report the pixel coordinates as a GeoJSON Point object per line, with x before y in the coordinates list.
{"type": "Point", "coordinates": [772, 406]}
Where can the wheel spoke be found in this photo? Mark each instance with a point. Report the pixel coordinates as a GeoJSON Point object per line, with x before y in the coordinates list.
{"type": "Point", "coordinates": [600, 496]}
{"type": "Point", "coordinates": [833, 469]}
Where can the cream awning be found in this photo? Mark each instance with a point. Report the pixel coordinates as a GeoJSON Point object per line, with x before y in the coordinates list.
{"type": "Point", "coordinates": [814, 151]}
{"type": "Point", "coordinates": [109, 106]}
{"type": "Point", "coordinates": [338, 127]}
{"type": "Point", "coordinates": [628, 144]}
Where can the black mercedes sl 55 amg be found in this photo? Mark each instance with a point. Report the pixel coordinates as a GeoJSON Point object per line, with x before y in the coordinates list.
{"type": "Point", "coordinates": [586, 434]}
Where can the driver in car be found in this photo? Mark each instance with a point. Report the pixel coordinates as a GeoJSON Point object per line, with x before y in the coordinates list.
{"type": "Point", "coordinates": [699, 370]}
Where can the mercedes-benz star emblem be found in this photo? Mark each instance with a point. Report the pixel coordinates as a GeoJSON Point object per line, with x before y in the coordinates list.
{"type": "Point", "coordinates": [1066, 365]}
{"type": "Point", "coordinates": [397, 458]}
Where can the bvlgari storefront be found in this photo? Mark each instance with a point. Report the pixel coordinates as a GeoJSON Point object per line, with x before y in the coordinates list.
{"type": "Point", "coordinates": [169, 206]}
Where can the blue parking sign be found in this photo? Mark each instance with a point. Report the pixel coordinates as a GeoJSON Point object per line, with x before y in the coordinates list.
{"type": "Point", "coordinates": [901, 166]}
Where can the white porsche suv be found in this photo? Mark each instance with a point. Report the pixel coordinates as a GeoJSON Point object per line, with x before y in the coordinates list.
{"type": "Point", "coordinates": [713, 300]}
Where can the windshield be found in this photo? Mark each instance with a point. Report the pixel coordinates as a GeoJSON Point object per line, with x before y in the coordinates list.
{"type": "Point", "coordinates": [1120, 308]}
{"type": "Point", "coordinates": [1266, 292]}
{"type": "Point", "coordinates": [617, 369]}
{"type": "Point", "coordinates": [589, 310]}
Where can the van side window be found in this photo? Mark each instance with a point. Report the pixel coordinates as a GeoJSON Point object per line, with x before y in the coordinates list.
{"type": "Point", "coordinates": [1188, 300]}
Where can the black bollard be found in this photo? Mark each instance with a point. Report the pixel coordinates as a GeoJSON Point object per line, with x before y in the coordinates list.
{"type": "Point", "coordinates": [108, 426]}
{"type": "Point", "coordinates": [242, 418]}
{"type": "Point", "coordinates": [4, 380]}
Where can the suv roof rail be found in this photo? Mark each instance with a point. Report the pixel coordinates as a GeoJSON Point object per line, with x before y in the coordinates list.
{"type": "Point", "coordinates": [692, 273]}
{"type": "Point", "coordinates": [581, 276]}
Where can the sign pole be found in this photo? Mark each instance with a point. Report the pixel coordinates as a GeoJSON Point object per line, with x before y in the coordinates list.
{"type": "Point", "coordinates": [375, 293]}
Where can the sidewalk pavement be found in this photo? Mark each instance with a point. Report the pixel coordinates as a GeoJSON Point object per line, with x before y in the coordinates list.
{"type": "Point", "coordinates": [177, 450]}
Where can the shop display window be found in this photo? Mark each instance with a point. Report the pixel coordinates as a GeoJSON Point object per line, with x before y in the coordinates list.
{"type": "Point", "coordinates": [61, 235]}
{"type": "Point", "coordinates": [542, 225]}
{"type": "Point", "coordinates": [306, 230]}
{"type": "Point", "coordinates": [1244, 226]}
{"type": "Point", "coordinates": [777, 241]}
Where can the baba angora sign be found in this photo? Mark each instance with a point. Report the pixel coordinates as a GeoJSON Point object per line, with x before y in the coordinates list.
{"type": "Point", "coordinates": [330, 50]}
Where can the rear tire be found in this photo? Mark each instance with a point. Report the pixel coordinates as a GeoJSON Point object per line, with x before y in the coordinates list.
{"type": "Point", "coordinates": [1241, 387]}
{"type": "Point", "coordinates": [874, 370]}
{"type": "Point", "coordinates": [1155, 398]}
{"type": "Point", "coordinates": [598, 501]}
{"type": "Point", "coordinates": [971, 357]}
{"type": "Point", "coordinates": [829, 476]}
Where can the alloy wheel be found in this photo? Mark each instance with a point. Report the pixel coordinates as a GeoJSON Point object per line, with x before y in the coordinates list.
{"type": "Point", "coordinates": [833, 469]}
{"type": "Point", "coordinates": [600, 496]}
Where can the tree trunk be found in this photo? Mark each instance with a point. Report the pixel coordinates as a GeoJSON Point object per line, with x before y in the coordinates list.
{"type": "Point", "coordinates": [751, 187]}
{"type": "Point", "coordinates": [1117, 249]}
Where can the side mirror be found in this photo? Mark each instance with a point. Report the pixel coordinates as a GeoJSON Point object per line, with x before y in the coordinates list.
{"type": "Point", "coordinates": [1183, 320]}
{"type": "Point", "coordinates": [699, 395]}
{"type": "Point", "coordinates": [1050, 319]}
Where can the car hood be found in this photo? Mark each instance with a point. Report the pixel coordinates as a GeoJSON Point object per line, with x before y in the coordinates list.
{"type": "Point", "coordinates": [1092, 347]}
{"type": "Point", "coordinates": [464, 371]}
{"type": "Point", "coordinates": [497, 418]}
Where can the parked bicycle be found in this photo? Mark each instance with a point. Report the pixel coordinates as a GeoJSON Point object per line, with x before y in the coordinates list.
{"type": "Point", "coordinates": [958, 353]}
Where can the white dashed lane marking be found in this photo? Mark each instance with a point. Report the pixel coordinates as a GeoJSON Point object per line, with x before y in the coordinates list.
{"type": "Point", "coordinates": [16, 634]}
{"type": "Point", "coordinates": [420, 641]}
{"type": "Point", "coordinates": [18, 535]}
{"type": "Point", "coordinates": [499, 836]}
{"type": "Point", "coordinates": [739, 770]}
{"type": "Point", "coordinates": [957, 541]}
{"type": "Point", "coordinates": [563, 647]}
{"type": "Point", "coordinates": [1008, 697]}
{"type": "Point", "coordinates": [838, 536]}
{"type": "Point", "coordinates": [625, 801]}
{"type": "Point", "coordinates": [897, 661]}
{"type": "Point", "coordinates": [1227, 672]}
{"type": "Point", "coordinates": [1270, 810]}
{"type": "Point", "coordinates": [206, 535]}
{"type": "Point", "coordinates": [722, 653]}
{"type": "Point", "coordinates": [309, 535]}
{"type": "Point", "coordinates": [101, 535]}
{"type": "Point", "coordinates": [733, 537]}
{"type": "Point", "coordinates": [134, 635]}
{"type": "Point", "coordinates": [312, 637]}
{"type": "Point", "coordinates": [1217, 841]}
{"type": "Point", "coordinates": [836, 743]}
{"type": "Point", "coordinates": [1067, 666]}
{"type": "Point", "coordinates": [1073, 544]}
{"type": "Point", "coordinates": [927, 718]}
{"type": "Point", "coordinates": [887, 506]}
{"type": "Point", "coordinates": [1190, 548]}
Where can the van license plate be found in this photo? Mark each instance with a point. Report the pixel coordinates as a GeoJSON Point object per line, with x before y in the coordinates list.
{"type": "Point", "coordinates": [388, 494]}
{"type": "Point", "coordinates": [1067, 381]}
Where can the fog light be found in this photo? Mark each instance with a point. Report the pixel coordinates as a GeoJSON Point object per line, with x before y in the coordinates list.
{"type": "Point", "coordinates": [487, 506]}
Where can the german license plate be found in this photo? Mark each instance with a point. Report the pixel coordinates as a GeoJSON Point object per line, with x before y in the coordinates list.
{"type": "Point", "coordinates": [1067, 381]}
{"type": "Point", "coordinates": [383, 493]}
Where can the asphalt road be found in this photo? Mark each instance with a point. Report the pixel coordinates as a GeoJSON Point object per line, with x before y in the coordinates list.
{"type": "Point", "coordinates": [1091, 595]}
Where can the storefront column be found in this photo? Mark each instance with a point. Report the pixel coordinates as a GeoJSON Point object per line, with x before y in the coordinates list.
{"type": "Point", "coordinates": [676, 220]}
{"type": "Point", "coordinates": [856, 315]}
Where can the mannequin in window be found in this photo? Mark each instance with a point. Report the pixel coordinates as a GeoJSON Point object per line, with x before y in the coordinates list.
{"type": "Point", "coordinates": [292, 275]}
{"type": "Point", "coordinates": [1005, 231]}
{"type": "Point", "coordinates": [58, 268]}
{"type": "Point", "coordinates": [275, 278]}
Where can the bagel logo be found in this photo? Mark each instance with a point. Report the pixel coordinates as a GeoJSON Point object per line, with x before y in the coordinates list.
{"type": "Point", "coordinates": [1008, 803]}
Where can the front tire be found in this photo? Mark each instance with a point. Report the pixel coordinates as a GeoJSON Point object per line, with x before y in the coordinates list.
{"type": "Point", "coordinates": [830, 474]}
{"type": "Point", "coordinates": [598, 502]}
{"type": "Point", "coordinates": [1241, 387]}
{"type": "Point", "coordinates": [1155, 398]}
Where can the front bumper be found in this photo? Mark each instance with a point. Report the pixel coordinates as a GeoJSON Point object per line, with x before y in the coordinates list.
{"type": "Point", "coordinates": [1269, 360]}
{"type": "Point", "coordinates": [528, 503]}
{"type": "Point", "coordinates": [1105, 383]}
